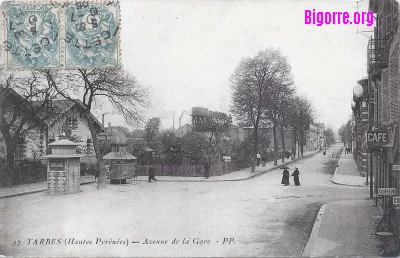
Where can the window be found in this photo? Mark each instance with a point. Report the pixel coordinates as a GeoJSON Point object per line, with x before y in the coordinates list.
{"type": "Point", "coordinates": [72, 123]}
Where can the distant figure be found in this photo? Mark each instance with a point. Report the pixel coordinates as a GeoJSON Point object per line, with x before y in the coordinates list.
{"type": "Point", "coordinates": [258, 159]}
{"type": "Point", "coordinates": [324, 153]}
{"type": "Point", "coordinates": [135, 174]}
{"type": "Point", "coordinates": [264, 159]}
{"type": "Point", "coordinates": [285, 177]}
{"type": "Point", "coordinates": [96, 174]}
{"type": "Point", "coordinates": [207, 170]}
{"type": "Point", "coordinates": [152, 174]}
{"type": "Point", "coordinates": [295, 174]}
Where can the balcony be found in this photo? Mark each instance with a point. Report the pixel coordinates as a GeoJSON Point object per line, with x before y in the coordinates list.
{"type": "Point", "coordinates": [377, 55]}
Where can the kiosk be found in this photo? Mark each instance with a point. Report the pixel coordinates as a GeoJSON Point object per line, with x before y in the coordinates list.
{"type": "Point", "coordinates": [121, 164]}
{"type": "Point", "coordinates": [63, 168]}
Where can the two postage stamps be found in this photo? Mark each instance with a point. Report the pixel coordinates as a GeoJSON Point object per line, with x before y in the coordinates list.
{"type": "Point", "coordinates": [60, 35]}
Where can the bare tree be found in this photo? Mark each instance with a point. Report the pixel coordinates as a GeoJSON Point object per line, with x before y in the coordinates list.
{"type": "Point", "coordinates": [254, 83]}
{"type": "Point", "coordinates": [122, 90]}
{"type": "Point", "coordinates": [24, 103]}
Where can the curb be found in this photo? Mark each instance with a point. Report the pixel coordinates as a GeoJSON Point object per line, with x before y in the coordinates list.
{"type": "Point", "coordinates": [312, 239]}
{"type": "Point", "coordinates": [337, 167]}
{"type": "Point", "coordinates": [168, 180]}
{"type": "Point", "coordinates": [239, 179]}
{"type": "Point", "coordinates": [337, 183]}
{"type": "Point", "coordinates": [34, 191]}
{"type": "Point", "coordinates": [269, 170]}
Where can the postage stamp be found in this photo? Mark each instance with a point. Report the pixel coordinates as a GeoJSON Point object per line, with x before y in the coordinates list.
{"type": "Point", "coordinates": [63, 35]}
{"type": "Point", "coordinates": [91, 35]}
{"type": "Point", "coordinates": [32, 36]}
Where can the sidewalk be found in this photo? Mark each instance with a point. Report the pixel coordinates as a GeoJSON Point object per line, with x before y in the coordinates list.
{"type": "Point", "coordinates": [347, 172]}
{"type": "Point", "coordinates": [243, 174]}
{"type": "Point", "coordinates": [239, 175]}
{"type": "Point", "coordinates": [345, 228]}
{"type": "Point", "coordinates": [34, 188]}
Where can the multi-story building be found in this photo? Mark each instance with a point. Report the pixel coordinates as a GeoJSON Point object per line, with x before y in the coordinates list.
{"type": "Point", "coordinates": [382, 104]}
{"type": "Point", "coordinates": [360, 124]}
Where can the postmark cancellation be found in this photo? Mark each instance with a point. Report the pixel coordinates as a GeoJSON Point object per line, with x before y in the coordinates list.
{"type": "Point", "coordinates": [63, 35]}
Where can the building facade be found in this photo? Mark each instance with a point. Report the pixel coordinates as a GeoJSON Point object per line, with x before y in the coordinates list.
{"type": "Point", "coordinates": [377, 111]}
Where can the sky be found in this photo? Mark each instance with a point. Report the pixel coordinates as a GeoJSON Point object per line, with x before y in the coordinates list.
{"type": "Point", "coordinates": [184, 52]}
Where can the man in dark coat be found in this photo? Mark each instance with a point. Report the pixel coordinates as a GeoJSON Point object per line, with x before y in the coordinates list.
{"type": "Point", "coordinates": [285, 177]}
{"type": "Point", "coordinates": [295, 175]}
{"type": "Point", "coordinates": [207, 170]}
{"type": "Point", "coordinates": [152, 174]}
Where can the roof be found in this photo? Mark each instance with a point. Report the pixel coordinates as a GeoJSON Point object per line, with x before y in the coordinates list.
{"type": "Point", "coordinates": [119, 155]}
{"type": "Point", "coordinates": [64, 156]}
{"type": "Point", "coordinates": [118, 138]}
{"type": "Point", "coordinates": [64, 142]}
{"type": "Point", "coordinates": [185, 125]}
{"type": "Point", "coordinates": [20, 103]}
{"type": "Point", "coordinates": [147, 149]}
{"type": "Point", "coordinates": [59, 107]}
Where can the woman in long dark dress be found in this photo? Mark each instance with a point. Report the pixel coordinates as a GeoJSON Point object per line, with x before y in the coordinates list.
{"type": "Point", "coordinates": [285, 177]}
{"type": "Point", "coordinates": [295, 175]}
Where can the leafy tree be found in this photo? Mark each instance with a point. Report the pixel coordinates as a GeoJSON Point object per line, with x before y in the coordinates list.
{"type": "Point", "coordinates": [172, 147]}
{"type": "Point", "coordinates": [254, 83]}
{"type": "Point", "coordinates": [283, 118]}
{"type": "Point", "coordinates": [218, 124]}
{"type": "Point", "coordinates": [104, 146]}
{"type": "Point", "coordinates": [93, 86]}
{"type": "Point", "coordinates": [136, 133]}
{"type": "Point", "coordinates": [345, 132]}
{"type": "Point", "coordinates": [329, 136]}
{"type": "Point", "coordinates": [277, 108]}
{"type": "Point", "coordinates": [301, 114]}
{"type": "Point", "coordinates": [136, 147]}
{"type": "Point", "coordinates": [195, 146]}
{"type": "Point", "coordinates": [152, 129]}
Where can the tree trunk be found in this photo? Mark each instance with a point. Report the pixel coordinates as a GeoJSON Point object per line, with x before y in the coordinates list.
{"type": "Point", "coordinates": [301, 142]}
{"type": "Point", "coordinates": [275, 144]}
{"type": "Point", "coordinates": [10, 150]}
{"type": "Point", "coordinates": [102, 173]}
{"type": "Point", "coordinates": [283, 142]}
{"type": "Point", "coordinates": [294, 143]}
{"type": "Point", "coordinates": [255, 149]}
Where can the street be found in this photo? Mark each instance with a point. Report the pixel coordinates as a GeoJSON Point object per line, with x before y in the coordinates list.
{"type": "Point", "coordinates": [256, 217]}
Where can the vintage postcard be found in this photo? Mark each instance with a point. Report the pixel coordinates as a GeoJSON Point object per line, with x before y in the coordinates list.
{"type": "Point", "coordinates": [219, 128]}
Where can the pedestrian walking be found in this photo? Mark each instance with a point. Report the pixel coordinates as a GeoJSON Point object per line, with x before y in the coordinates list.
{"type": "Point", "coordinates": [207, 170]}
{"type": "Point", "coordinates": [285, 177]}
{"type": "Point", "coordinates": [96, 174]}
{"type": "Point", "coordinates": [152, 174]}
{"type": "Point", "coordinates": [295, 175]}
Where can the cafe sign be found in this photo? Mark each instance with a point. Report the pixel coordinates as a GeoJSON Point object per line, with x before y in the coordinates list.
{"type": "Point", "coordinates": [376, 138]}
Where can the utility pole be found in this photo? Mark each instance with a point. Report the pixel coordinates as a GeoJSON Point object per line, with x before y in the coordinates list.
{"type": "Point", "coordinates": [173, 122]}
